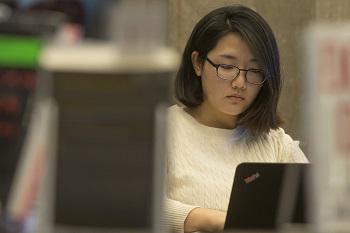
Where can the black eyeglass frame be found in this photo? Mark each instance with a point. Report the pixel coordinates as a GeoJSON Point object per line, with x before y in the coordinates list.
{"type": "Point", "coordinates": [216, 66]}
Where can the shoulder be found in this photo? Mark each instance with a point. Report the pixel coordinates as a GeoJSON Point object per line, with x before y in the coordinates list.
{"type": "Point", "coordinates": [178, 122]}
{"type": "Point", "coordinates": [175, 109]}
{"type": "Point", "coordinates": [175, 114]}
{"type": "Point", "coordinates": [279, 135]}
{"type": "Point", "coordinates": [288, 149]}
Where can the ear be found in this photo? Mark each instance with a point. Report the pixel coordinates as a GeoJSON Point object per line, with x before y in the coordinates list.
{"type": "Point", "coordinates": [196, 63]}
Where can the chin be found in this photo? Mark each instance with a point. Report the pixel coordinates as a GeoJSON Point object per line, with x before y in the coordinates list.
{"type": "Point", "coordinates": [232, 112]}
{"type": "Point", "coordinates": [232, 109]}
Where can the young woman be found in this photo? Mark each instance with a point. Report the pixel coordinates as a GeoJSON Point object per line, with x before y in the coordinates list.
{"type": "Point", "coordinates": [228, 87]}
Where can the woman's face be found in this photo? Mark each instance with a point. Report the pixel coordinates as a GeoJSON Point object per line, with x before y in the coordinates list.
{"type": "Point", "coordinates": [223, 99]}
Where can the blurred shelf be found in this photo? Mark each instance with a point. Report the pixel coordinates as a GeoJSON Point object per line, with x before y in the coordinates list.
{"type": "Point", "coordinates": [105, 57]}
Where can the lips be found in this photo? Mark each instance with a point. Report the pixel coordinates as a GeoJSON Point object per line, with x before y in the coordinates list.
{"type": "Point", "coordinates": [235, 97]}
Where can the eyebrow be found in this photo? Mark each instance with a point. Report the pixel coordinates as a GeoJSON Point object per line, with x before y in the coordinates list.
{"type": "Point", "coordinates": [231, 57]}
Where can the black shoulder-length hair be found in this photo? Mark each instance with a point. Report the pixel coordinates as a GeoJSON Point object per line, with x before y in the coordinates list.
{"type": "Point", "coordinates": [261, 116]}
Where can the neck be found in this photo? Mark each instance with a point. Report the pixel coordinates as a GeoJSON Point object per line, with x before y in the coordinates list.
{"type": "Point", "coordinates": [213, 119]}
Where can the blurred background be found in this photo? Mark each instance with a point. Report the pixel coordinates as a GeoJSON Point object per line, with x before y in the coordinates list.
{"type": "Point", "coordinates": [82, 79]}
{"type": "Point", "coordinates": [288, 19]}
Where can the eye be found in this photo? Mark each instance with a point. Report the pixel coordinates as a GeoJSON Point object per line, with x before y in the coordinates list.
{"type": "Point", "coordinates": [256, 71]}
{"type": "Point", "coordinates": [226, 67]}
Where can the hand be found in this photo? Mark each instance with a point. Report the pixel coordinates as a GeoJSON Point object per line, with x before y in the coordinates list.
{"type": "Point", "coordinates": [202, 219]}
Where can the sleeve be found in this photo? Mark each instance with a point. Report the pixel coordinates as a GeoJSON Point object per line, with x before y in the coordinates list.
{"type": "Point", "coordinates": [175, 215]}
{"type": "Point", "coordinates": [175, 212]}
{"type": "Point", "coordinates": [291, 151]}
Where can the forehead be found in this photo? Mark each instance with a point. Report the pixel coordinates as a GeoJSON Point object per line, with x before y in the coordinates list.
{"type": "Point", "coordinates": [233, 44]}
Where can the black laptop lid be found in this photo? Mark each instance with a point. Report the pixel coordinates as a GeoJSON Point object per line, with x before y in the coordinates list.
{"type": "Point", "coordinates": [265, 195]}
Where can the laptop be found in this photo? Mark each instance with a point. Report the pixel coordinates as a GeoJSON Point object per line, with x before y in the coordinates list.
{"type": "Point", "coordinates": [266, 196]}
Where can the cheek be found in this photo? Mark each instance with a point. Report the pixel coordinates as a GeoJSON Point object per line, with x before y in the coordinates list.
{"type": "Point", "coordinates": [212, 88]}
{"type": "Point", "coordinates": [254, 93]}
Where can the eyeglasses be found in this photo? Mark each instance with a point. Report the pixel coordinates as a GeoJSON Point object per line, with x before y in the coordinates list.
{"type": "Point", "coordinates": [230, 72]}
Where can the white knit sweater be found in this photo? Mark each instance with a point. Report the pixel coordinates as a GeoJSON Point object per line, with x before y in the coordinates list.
{"type": "Point", "coordinates": [202, 161]}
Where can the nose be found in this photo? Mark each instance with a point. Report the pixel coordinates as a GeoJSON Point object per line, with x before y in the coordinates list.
{"type": "Point", "coordinates": [240, 81]}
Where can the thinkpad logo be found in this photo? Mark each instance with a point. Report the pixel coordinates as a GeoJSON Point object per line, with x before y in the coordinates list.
{"type": "Point", "coordinates": [251, 178]}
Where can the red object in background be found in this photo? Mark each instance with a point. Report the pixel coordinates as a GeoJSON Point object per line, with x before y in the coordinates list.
{"type": "Point", "coordinates": [10, 105]}
{"type": "Point", "coordinates": [333, 71]}
{"type": "Point", "coordinates": [16, 87]}
{"type": "Point", "coordinates": [18, 79]}
{"type": "Point", "coordinates": [8, 130]}
{"type": "Point", "coordinates": [343, 127]}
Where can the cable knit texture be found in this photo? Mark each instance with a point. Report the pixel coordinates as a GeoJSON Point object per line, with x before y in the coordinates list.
{"type": "Point", "coordinates": [202, 161]}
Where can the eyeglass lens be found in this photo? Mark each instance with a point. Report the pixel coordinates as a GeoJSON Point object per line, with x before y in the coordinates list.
{"type": "Point", "coordinates": [252, 76]}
